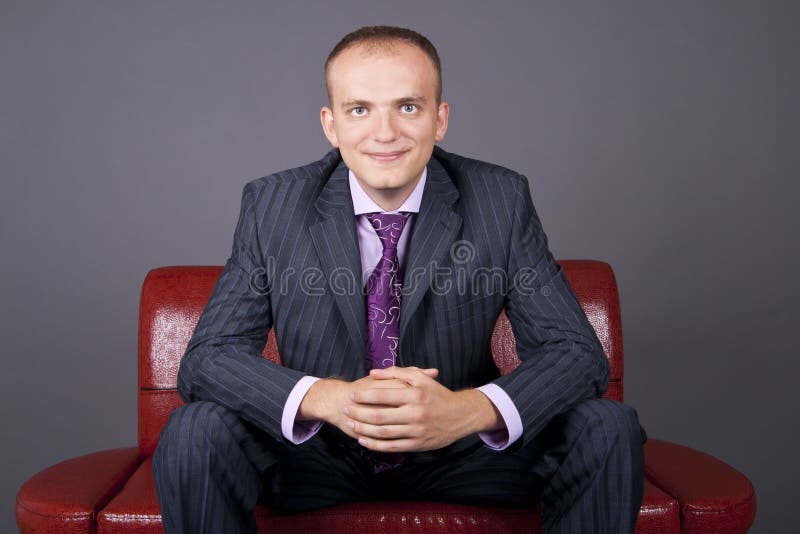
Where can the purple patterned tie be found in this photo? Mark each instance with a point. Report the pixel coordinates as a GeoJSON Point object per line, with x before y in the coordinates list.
{"type": "Point", "coordinates": [383, 293]}
{"type": "Point", "coordinates": [383, 312]}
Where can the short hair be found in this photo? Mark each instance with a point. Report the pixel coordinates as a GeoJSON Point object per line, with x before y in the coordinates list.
{"type": "Point", "coordinates": [384, 37]}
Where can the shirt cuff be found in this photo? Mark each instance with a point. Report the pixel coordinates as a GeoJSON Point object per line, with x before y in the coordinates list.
{"type": "Point", "coordinates": [501, 438]}
{"type": "Point", "coordinates": [298, 431]}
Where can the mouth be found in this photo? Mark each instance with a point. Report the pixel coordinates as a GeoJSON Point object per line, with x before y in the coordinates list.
{"type": "Point", "coordinates": [386, 157]}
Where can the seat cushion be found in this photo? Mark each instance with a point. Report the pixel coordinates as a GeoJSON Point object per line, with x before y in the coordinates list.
{"type": "Point", "coordinates": [135, 507]}
{"type": "Point", "coordinates": [404, 516]}
{"type": "Point", "coordinates": [66, 497]}
{"type": "Point", "coordinates": [713, 496]}
{"type": "Point", "coordinates": [660, 512]}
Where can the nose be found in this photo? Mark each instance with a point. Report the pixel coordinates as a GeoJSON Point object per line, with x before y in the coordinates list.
{"type": "Point", "coordinates": [384, 129]}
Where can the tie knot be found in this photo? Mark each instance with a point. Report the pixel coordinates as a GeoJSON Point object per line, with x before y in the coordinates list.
{"type": "Point", "coordinates": [388, 226]}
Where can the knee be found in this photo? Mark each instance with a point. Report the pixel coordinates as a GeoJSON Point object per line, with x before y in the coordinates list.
{"type": "Point", "coordinates": [616, 423]}
{"type": "Point", "coordinates": [193, 431]}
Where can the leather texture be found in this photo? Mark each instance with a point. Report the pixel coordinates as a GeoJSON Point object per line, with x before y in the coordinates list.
{"type": "Point", "coordinates": [713, 496]}
{"type": "Point", "coordinates": [66, 497]}
{"type": "Point", "coordinates": [113, 491]}
{"type": "Point", "coordinates": [660, 512]}
{"type": "Point", "coordinates": [596, 288]}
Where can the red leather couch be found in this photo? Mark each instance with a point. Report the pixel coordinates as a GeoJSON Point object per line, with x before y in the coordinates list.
{"type": "Point", "coordinates": [112, 491]}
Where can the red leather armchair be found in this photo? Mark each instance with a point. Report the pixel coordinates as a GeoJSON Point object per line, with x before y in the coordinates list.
{"type": "Point", "coordinates": [113, 491]}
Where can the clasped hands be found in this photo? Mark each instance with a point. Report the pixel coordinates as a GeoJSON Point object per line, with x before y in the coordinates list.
{"type": "Point", "coordinates": [400, 409]}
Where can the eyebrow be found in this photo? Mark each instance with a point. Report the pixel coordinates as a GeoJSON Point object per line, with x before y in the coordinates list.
{"type": "Point", "coordinates": [412, 99]}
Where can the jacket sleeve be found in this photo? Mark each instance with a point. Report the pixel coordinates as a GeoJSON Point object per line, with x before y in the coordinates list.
{"type": "Point", "coordinates": [223, 361]}
{"type": "Point", "coordinates": [562, 359]}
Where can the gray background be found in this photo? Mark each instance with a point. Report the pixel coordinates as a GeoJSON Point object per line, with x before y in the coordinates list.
{"type": "Point", "coordinates": [661, 137]}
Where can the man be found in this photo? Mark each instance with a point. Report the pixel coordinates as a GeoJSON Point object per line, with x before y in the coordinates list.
{"type": "Point", "coordinates": [382, 268]}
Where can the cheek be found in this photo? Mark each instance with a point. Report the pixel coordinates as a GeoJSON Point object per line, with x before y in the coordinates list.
{"type": "Point", "coordinates": [351, 137]}
{"type": "Point", "coordinates": [425, 131]}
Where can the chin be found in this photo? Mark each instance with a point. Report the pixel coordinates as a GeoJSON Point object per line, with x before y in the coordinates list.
{"type": "Point", "coordinates": [387, 184]}
{"type": "Point", "coordinates": [381, 177]}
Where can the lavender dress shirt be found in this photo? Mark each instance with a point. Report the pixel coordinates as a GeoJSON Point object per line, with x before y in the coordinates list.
{"type": "Point", "coordinates": [371, 249]}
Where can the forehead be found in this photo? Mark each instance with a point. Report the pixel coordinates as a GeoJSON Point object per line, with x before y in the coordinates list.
{"type": "Point", "coordinates": [381, 70]}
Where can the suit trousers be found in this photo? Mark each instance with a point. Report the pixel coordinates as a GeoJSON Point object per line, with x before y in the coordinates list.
{"type": "Point", "coordinates": [211, 469]}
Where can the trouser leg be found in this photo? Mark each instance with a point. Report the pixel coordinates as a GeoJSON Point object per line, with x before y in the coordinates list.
{"type": "Point", "coordinates": [324, 471]}
{"type": "Point", "coordinates": [586, 465]}
{"type": "Point", "coordinates": [595, 471]}
{"type": "Point", "coordinates": [207, 468]}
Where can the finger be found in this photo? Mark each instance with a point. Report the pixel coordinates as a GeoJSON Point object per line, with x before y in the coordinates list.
{"type": "Point", "coordinates": [347, 429]}
{"type": "Point", "coordinates": [385, 396]}
{"type": "Point", "coordinates": [377, 416]}
{"type": "Point", "coordinates": [413, 375]}
{"type": "Point", "coordinates": [390, 445]}
{"type": "Point", "coordinates": [388, 383]}
{"type": "Point", "coordinates": [381, 431]}
{"type": "Point", "coordinates": [378, 376]}
{"type": "Point", "coordinates": [428, 370]}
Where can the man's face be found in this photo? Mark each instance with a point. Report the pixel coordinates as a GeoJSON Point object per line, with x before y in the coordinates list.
{"type": "Point", "coordinates": [384, 117]}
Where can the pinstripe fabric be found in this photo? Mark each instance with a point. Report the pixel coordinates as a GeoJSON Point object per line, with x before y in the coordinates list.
{"type": "Point", "coordinates": [215, 480]}
{"type": "Point", "coordinates": [477, 246]}
{"type": "Point", "coordinates": [295, 261]}
{"type": "Point", "coordinates": [586, 465]}
{"type": "Point", "coordinates": [209, 471]}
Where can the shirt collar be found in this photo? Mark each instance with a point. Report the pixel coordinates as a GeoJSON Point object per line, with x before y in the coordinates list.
{"type": "Point", "coordinates": [362, 203]}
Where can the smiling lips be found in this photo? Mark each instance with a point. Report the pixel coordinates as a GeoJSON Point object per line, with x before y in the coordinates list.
{"type": "Point", "coordinates": [385, 157]}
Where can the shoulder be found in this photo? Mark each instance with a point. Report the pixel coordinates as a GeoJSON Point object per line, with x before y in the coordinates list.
{"type": "Point", "coordinates": [473, 176]}
{"type": "Point", "coordinates": [310, 178]}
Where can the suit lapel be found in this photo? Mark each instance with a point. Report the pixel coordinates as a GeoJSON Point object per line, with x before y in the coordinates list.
{"type": "Point", "coordinates": [435, 229]}
{"type": "Point", "coordinates": [335, 241]}
{"type": "Point", "coordinates": [336, 244]}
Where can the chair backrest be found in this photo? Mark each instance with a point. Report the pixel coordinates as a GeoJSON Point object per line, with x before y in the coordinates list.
{"type": "Point", "coordinates": [174, 297]}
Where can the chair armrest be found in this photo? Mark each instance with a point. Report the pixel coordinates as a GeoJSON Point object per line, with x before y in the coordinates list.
{"type": "Point", "coordinates": [66, 497]}
{"type": "Point", "coordinates": [713, 496]}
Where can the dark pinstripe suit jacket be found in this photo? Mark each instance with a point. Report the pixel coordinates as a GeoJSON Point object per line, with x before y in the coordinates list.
{"type": "Point", "coordinates": [476, 247]}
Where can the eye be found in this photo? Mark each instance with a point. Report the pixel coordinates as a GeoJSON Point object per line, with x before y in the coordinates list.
{"type": "Point", "coordinates": [358, 111]}
{"type": "Point", "coordinates": [409, 108]}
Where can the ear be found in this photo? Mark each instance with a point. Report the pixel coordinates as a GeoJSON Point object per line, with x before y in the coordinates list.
{"type": "Point", "coordinates": [326, 118]}
{"type": "Point", "coordinates": [443, 115]}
